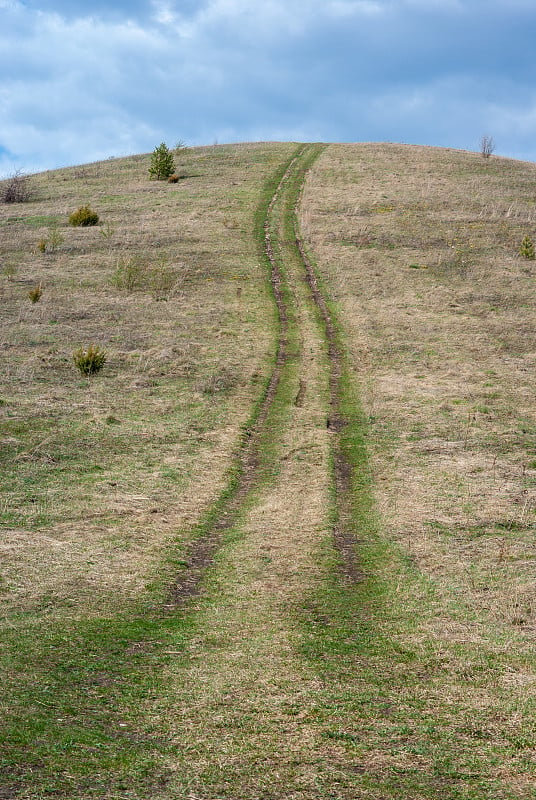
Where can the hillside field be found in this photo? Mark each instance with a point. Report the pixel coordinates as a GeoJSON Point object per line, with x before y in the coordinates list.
{"type": "Point", "coordinates": [282, 546]}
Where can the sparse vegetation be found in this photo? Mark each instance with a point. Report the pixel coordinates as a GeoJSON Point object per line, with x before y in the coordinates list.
{"type": "Point", "coordinates": [162, 164]}
{"type": "Point", "coordinates": [90, 361]}
{"type": "Point", "coordinates": [83, 217]}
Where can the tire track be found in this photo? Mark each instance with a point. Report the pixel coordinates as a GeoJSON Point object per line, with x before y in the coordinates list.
{"type": "Point", "coordinates": [285, 200]}
{"type": "Point", "coordinates": [344, 537]}
{"type": "Point", "coordinates": [202, 550]}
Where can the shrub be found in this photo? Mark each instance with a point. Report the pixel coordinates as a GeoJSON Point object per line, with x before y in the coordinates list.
{"type": "Point", "coordinates": [91, 360]}
{"type": "Point", "coordinates": [16, 189]}
{"type": "Point", "coordinates": [83, 217]}
{"type": "Point", "coordinates": [162, 165]}
{"type": "Point", "coordinates": [35, 294]}
{"type": "Point", "coordinates": [527, 248]}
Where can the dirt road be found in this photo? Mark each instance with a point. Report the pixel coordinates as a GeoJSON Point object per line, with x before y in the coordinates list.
{"type": "Point", "coordinates": [245, 696]}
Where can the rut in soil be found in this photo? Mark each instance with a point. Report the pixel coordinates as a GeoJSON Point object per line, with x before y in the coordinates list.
{"type": "Point", "coordinates": [203, 549]}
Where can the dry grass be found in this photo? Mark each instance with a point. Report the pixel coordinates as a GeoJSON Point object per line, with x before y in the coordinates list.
{"type": "Point", "coordinates": [279, 679]}
{"type": "Point", "coordinates": [98, 475]}
{"type": "Point", "coordinates": [439, 310]}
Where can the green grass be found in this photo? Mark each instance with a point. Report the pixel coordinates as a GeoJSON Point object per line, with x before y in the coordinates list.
{"type": "Point", "coordinates": [72, 728]}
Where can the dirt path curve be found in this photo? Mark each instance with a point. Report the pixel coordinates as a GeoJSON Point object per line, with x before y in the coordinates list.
{"type": "Point", "coordinates": [289, 265]}
{"type": "Point", "coordinates": [243, 697]}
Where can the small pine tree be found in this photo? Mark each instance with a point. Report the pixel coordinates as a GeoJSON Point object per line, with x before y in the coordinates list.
{"type": "Point", "coordinates": [91, 360]}
{"type": "Point", "coordinates": [162, 165]}
{"type": "Point", "coordinates": [527, 248]}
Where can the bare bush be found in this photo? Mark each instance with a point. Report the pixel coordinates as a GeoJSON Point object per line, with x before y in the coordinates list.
{"type": "Point", "coordinates": [15, 189]}
{"type": "Point", "coordinates": [487, 146]}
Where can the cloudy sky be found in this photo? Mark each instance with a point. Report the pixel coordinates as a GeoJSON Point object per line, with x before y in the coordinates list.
{"type": "Point", "coordinates": [82, 81]}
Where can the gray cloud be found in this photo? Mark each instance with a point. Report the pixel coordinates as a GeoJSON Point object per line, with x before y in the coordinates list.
{"type": "Point", "coordinates": [77, 88]}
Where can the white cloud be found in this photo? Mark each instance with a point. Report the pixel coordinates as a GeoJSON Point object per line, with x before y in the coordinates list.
{"type": "Point", "coordinates": [76, 87]}
{"type": "Point", "coordinates": [350, 8]}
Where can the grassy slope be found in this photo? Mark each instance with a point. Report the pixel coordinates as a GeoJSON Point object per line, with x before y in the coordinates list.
{"type": "Point", "coordinates": [419, 248]}
{"type": "Point", "coordinates": [87, 468]}
{"type": "Point", "coordinates": [101, 479]}
{"type": "Point", "coordinates": [280, 680]}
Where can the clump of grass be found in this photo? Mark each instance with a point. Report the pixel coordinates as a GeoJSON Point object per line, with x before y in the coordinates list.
{"type": "Point", "coordinates": [163, 280]}
{"type": "Point", "coordinates": [51, 242]}
{"type": "Point", "coordinates": [527, 248]}
{"type": "Point", "coordinates": [83, 217]}
{"type": "Point", "coordinates": [135, 273]}
{"type": "Point", "coordinates": [35, 294]}
{"type": "Point", "coordinates": [107, 231]}
{"type": "Point", "coordinates": [10, 270]}
{"type": "Point", "coordinates": [128, 273]}
{"type": "Point", "coordinates": [90, 361]}
{"type": "Point", "coordinates": [222, 380]}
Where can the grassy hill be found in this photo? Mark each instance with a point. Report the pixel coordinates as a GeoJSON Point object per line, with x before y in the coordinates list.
{"type": "Point", "coordinates": [282, 545]}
